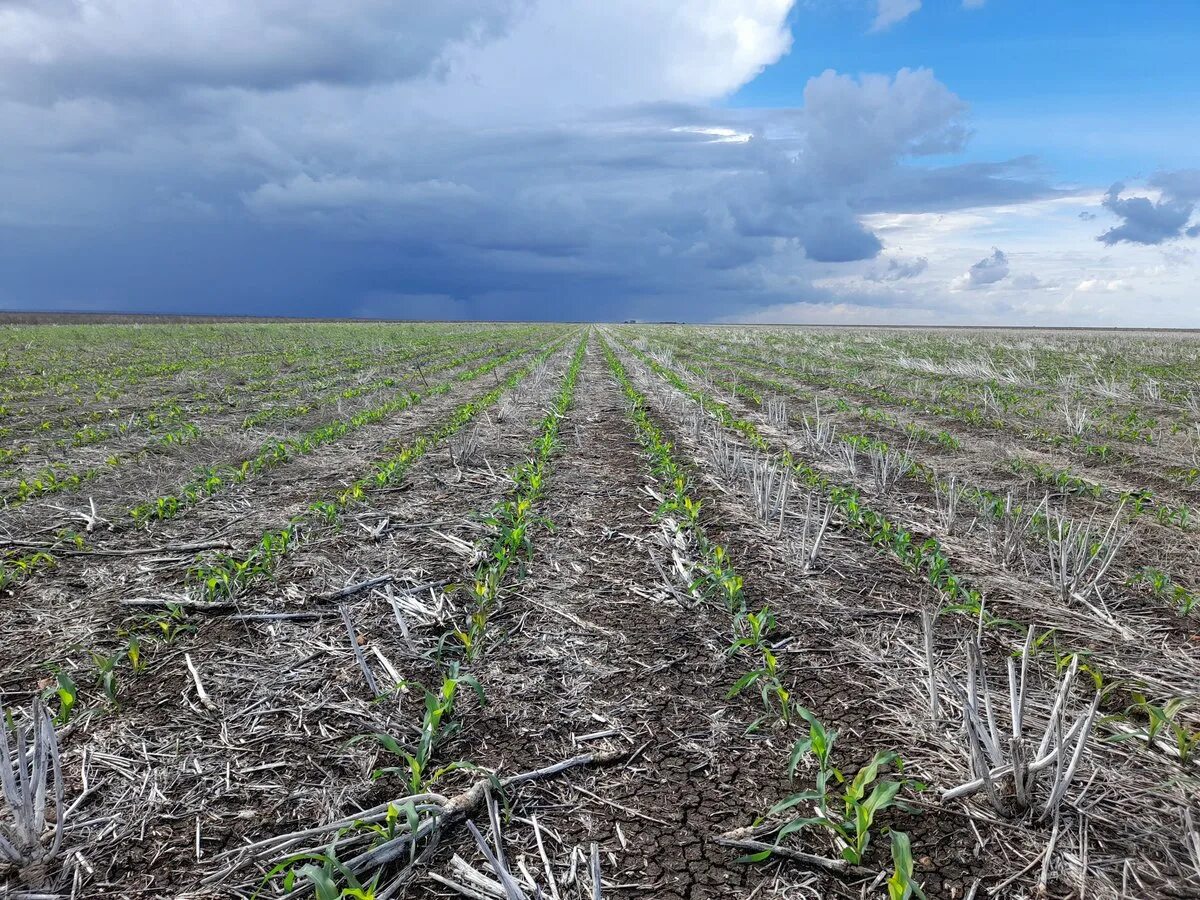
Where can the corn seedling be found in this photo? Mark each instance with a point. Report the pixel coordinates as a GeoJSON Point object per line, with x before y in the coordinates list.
{"type": "Point", "coordinates": [326, 511]}
{"type": "Point", "coordinates": [1161, 585]}
{"type": "Point", "coordinates": [437, 727]}
{"type": "Point", "coordinates": [324, 876]}
{"type": "Point", "coordinates": [754, 629]}
{"type": "Point", "coordinates": [65, 690]}
{"type": "Point", "coordinates": [1162, 719]}
{"type": "Point", "coordinates": [30, 775]}
{"type": "Point", "coordinates": [849, 814]}
{"type": "Point", "coordinates": [901, 885]}
{"type": "Point", "coordinates": [106, 673]}
{"type": "Point", "coordinates": [133, 652]}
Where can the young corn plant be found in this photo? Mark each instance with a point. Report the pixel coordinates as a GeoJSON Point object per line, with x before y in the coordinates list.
{"type": "Point", "coordinates": [67, 693]}
{"type": "Point", "coordinates": [106, 673]}
{"type": "Point", "coordinates": [324, 876]}
{"type": "Point", "coordinates": [901, 885]}
{"type": "Point", "coordinates": [845, 807]}
{"type": "Point", "coordinates": [753, 630]}
{"type": "Point", "coordinates": [1162, 719]}
{"type": "Point", "coordinates": [437, 726]}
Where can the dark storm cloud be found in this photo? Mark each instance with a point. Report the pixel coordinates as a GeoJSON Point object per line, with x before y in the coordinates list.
{"type": "Point", "coordinates": [55, 49]}
{"type": "Point", "coordinates": [910, 189]}
{"type": "Point", "coordinates": [1146, 221]}
{"type": "Point", "coordinates": [272, 157]}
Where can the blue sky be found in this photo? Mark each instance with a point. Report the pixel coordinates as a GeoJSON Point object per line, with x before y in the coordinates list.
{"type": "Point", "coordinates": [859, 161]}
{"type": "Point", "coordinates": [1099, 91]}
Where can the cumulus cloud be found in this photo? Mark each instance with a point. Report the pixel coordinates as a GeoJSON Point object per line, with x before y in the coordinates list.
{"type": "Point", "coordinates": [889, 12]}
{"type": "Point", "coordinates": [988, 271]}
{"type": "Point", "coordinates": [561, 55]}
{"type": "Point", "coordinates": [1147, 221]}
{"type": "Point", "coordinates": [1027, 281]}
{"type": "Point", "coordinates": [854, 127]}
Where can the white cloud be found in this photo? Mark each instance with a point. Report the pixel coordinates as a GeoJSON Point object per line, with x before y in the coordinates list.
{"type": "Point", "coordinates": [563, 56]}
{"type": "Point", "coordinates": [856, 126]}
{"type": "Point", "coordinates": [1101, 286]}
{"type": "Point", "coordinates": [889, 12]}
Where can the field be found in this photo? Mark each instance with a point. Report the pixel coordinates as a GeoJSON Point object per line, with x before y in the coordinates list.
{"type": "Point", "coordinates": [517, 611]}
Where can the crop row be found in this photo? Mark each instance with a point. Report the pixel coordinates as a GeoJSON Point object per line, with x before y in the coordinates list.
{"type": "Point", "coordinates": [1035, 524]}
{"type": "Point", "coordinates": [274, 453]}
{"type": "Point", "coordinates": [514, 517]}
{"type": "Point", "coordinates": [844, 805]}
{"type": "Point", "coordinates": [227, 575]}
{"type": "Point", "coordinates": [1140, 501]}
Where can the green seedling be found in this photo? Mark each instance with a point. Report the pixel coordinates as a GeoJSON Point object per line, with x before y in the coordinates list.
{"type": "Point", "coordinates": [1161, 719]}
{"type": "Point", "coordinates": [133, 650]}
{"type": "Point", "coordinates": [901, 885]}
{"type": "Point", "coordinates": [323, 875]}
{"type": "Point", "coordinates": [437, 727]}
{"type": "Point", "coordinates": [850, 816]}
{"type": "Point", "coordinates": [67, 693]}
{"type": "Point", "coordinates": [106, 673]}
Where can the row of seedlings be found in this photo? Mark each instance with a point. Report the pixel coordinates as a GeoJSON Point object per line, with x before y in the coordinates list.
{"type": "Point", "coordinates": [227, 575]}
{"type": "Point", "coordinates": [844, 805]}
{"type": "Point", "coordinates": [386, 842]}
{"type": "Point", "coordinates": [274, 453]}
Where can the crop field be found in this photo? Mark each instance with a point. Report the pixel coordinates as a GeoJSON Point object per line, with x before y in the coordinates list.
{"type": "Point", "coordinates": [571, 612]}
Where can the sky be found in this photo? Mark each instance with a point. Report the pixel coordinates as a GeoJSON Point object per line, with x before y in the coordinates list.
{"type": "Point", "coordinates": [997, 162]}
